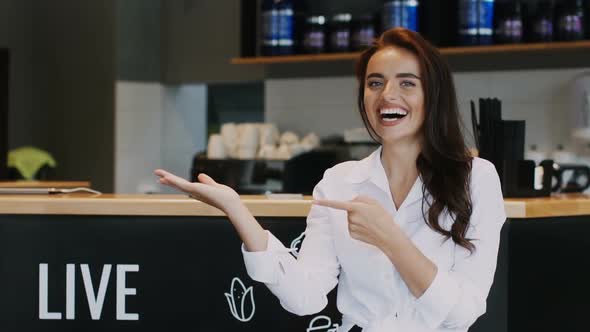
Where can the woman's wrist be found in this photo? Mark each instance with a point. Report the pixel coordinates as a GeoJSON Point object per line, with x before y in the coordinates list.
{"type": "Point", "coordinates": [235, 209]}
{"type": "Point", "coordinates": [250, 231]}
{"type": "Point", "coordinates": [391, 240]}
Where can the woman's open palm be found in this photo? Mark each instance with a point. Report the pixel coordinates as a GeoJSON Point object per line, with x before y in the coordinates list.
{"type": "Point", "coordinates": [206, 190]}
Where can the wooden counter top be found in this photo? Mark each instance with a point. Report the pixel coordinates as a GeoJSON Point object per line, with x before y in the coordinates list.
{"type": "Point", "coordinates": [44, 184]}
{"type": "Point", "coordinates": [143, 205]}
{"type": "Point", "coordinates": [260, 206]}
{"type": "Point", "coordinates": [558, 205]}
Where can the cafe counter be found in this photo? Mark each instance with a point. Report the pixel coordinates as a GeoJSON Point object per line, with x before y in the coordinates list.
{"type": "Point", "coordinates": [164, 262]}
{"type": "Point", "coordinates": [261, 206]}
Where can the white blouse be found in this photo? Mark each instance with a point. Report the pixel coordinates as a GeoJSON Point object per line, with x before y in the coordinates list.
{"type": "Point", "coordinates": [371, 293]}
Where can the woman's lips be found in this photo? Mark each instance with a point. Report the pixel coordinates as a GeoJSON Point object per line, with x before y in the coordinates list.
{"type": "Point", "coordinates": [392, 116]}
{"type": "Point", "coordinates": [390, 122]}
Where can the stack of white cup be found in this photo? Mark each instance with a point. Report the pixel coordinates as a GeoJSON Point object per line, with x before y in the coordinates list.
{"type": "Point", "coordinates": [247, 145]}
{"type": "Point", "coordinates": [257, 140]}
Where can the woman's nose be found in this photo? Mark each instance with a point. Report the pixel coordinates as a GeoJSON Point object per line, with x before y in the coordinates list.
{"type": "Point", "coordinates": [390, 92]}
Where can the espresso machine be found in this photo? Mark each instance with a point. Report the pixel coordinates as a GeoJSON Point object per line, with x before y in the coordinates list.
{"type": "Point", "coordinates": [298, 174]}
{"type": "Point", "coordinates": [502, 143]}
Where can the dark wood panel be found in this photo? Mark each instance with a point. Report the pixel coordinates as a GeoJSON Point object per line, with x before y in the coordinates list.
{"type": "Point", "coordinates": [549, 273]}
{"type": "Point", "coordinates": [4, 89]}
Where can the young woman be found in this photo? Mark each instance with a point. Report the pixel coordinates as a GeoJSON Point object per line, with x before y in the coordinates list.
{"type": "Point", "coordinates": [410, 234]}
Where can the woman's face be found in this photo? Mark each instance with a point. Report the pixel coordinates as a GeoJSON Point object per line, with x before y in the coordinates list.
{"type": "Point", "coordinates": [394, 98]}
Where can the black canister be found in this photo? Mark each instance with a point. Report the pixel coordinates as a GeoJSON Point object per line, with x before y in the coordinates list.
{"type": "Point", "coordinates": [314, 39]}
{"type": "Point", "coordinates": [363, 33]}
{"type": "Point", "coordinates": [509, 26]}
{"type": "Point", "coordinates": [542, 25]}
{"type": "Point", "coordinates": [340, 32]}
{"type": "Point", "coordinates": [570, 20]}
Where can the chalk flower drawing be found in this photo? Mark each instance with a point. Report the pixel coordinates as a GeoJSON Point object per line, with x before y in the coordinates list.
{"type": "Point", "coordinates": [238, 299]}
{"type": "Point", "coordinates": [296, 244]}
{"type": "Point", "coordinates": [322, 323]}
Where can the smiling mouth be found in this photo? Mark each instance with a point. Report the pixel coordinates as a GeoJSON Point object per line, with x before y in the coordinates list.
{"type": "Point", "coordinates": [393, 114]}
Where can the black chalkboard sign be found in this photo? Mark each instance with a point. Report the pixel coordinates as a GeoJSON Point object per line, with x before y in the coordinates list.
{"type": "Point", "coordinates": [99, 273]}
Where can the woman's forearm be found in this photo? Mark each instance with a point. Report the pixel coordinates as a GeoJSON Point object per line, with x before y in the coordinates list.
{"type": "Point", "coordinates": [416, 270]}
{"type": "Point", "coordinates": [252, 234]}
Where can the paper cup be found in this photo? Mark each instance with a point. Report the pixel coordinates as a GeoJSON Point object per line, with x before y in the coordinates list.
{"type": "Point", "coordinates": [216, 147]}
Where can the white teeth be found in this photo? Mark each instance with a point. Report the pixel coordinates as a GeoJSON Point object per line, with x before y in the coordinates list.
{"type": "Point", "coordinates": [396, 110]}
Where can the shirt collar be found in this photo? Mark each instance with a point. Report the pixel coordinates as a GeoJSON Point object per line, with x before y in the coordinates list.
{"type": "Point", "coordinates": [371, 169]}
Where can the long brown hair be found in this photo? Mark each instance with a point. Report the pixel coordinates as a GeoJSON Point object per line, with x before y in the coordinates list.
{"type": "Point", "coordinates": [444, 162]}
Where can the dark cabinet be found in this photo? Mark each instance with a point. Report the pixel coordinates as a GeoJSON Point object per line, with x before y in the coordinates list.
{"type": "Point", "coordinates": [198, 40]}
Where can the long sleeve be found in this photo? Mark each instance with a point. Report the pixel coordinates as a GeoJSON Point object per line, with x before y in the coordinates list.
{"type": "Point", "coordinates": [456, 298]}
{"type": "Point", "coordinates": [300, 284]}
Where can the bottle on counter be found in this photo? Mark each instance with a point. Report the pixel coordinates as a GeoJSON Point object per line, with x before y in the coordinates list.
{"type": "Point", "coordinates": [468, 22]}
{"type": "Point", "coordinates": [282, 26]}
{"type": "Point", "coordinates": [340, 32]}
{"type": "Point", "coordinates": [410, 14]}
{"type": "Point", "coordinates": [363, 32]}
{"type": "Point", "coordinates": [391, 15]}
{"type": "Point", "coordinates": [400, 13]}
{"type": "Point", "coordinates": [510, 24]}
{"type": "Point", "coordinates": [570, 20]}
{"type": "Point", "coordinates": [476, 19]}
{"type": "Point", "coordinates": [485, 29]}
{"type": "Point", "coordinates": [314, 39]}
{"type": "Point", "coordinates": [542, 25]}
{"type": "Point", "coordinates": [286, 18]}
{"type": "Point", "coordinates": [270, 28]}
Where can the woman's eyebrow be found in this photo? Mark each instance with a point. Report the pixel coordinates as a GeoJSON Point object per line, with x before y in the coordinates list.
{"type": "Point", "coordinates": [407, 75]}
{"type": "Point", "coordinates": [400, 75]}
{"type": "Point", "coordinates": [377, 75]}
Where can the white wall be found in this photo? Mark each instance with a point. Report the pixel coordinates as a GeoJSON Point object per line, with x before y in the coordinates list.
{"type": "Point", "coordinates": [156, 127]}
{"type": "Point", "coordinates": [328, 105]}
{"type": "Point", "coordinates": [184, 127]}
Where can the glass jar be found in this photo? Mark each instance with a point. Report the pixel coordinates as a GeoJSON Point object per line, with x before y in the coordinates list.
{"type": "Point", "coordinates": [510, 27]}
{"type": "Point", "coordinates": [542, 30]}
{"type": "Point", "coordinates": [314, 39]}
{"type": "Point", "coordinates": [363, 33]}
{"type": "Point", "coordinates": [570, 21]}
{"type": "Point", "coordinates": [340, 32]}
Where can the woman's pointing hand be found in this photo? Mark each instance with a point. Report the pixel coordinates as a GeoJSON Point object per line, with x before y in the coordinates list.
{"type": "Point", "coordinates": [368, 221]}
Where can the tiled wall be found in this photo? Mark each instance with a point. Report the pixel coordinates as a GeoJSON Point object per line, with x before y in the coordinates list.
{"type": "Point", "coordinates": [235, 102]}
{"type": "Point", "coordinates": [156, 127]}
{"type": "Point", "coordinates": [328, 105]}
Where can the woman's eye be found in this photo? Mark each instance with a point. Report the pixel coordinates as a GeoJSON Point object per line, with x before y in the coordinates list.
{"type": "Point", "coordinates": [374, 84]}
{"type": "Point", "coordinates": [407, 84]}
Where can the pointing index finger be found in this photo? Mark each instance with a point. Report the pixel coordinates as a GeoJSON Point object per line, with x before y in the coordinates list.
{"type": "Point", "coordinates": [340, 205]}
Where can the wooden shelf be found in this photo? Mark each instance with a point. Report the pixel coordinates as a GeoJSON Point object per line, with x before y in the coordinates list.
{"type": "Point", "coordinates": [267, 60]}
{"type": "Point", "coordinates": [554, 47]}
